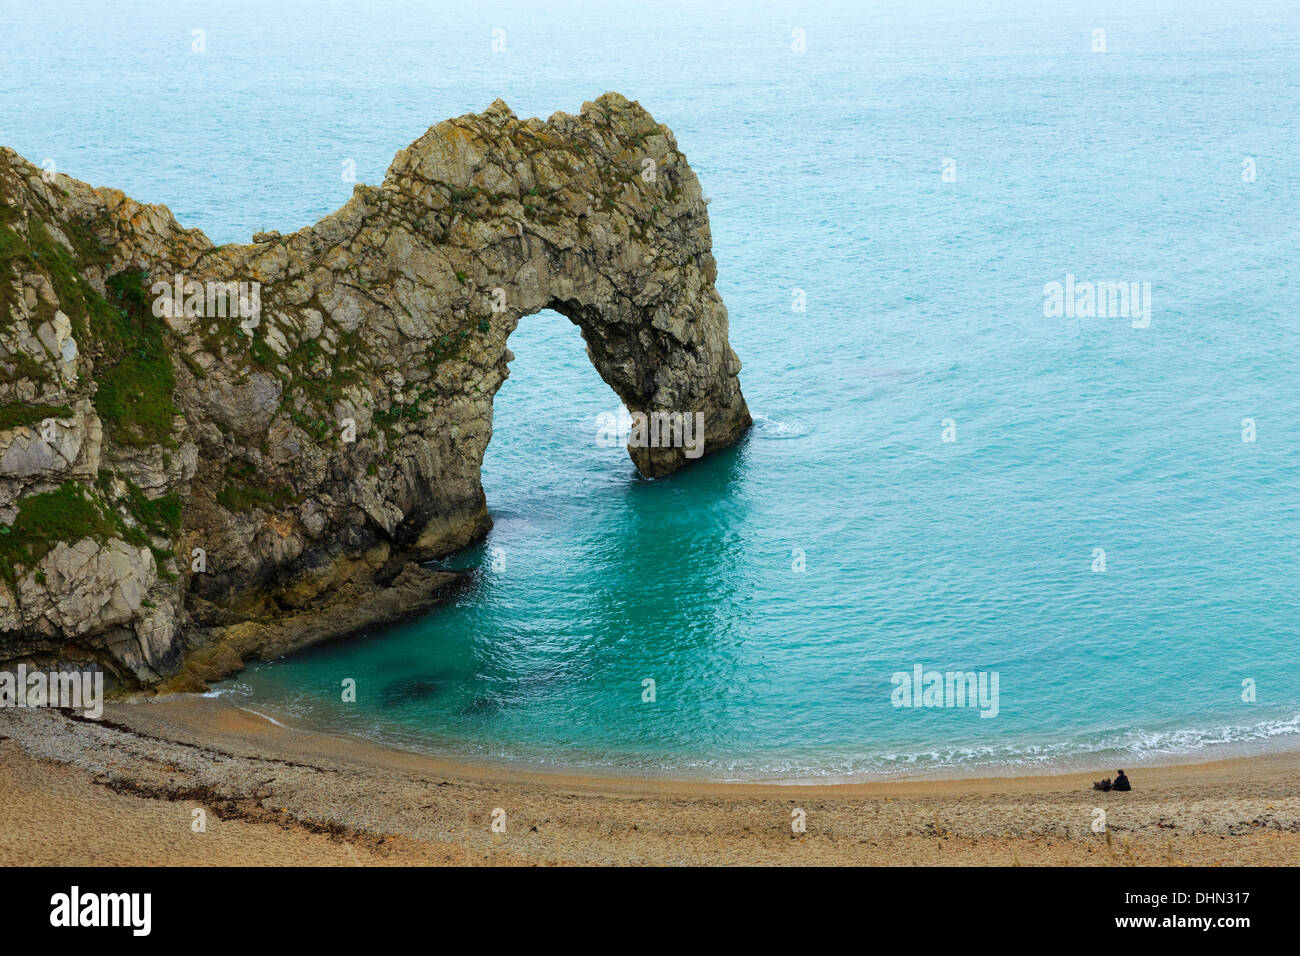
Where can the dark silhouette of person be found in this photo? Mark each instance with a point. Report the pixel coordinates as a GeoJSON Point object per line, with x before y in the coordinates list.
{"type": "Point", "coordinates": [1121, 783]}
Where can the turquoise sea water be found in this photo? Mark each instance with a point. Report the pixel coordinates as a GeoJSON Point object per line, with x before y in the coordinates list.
{"type": "Point", "coordinates": [924, 303]}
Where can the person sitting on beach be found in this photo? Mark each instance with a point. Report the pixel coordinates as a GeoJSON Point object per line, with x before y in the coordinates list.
{"type": "Point", "coordinates": [1121, 783]}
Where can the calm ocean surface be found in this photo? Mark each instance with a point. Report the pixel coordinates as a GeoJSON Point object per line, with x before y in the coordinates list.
{"type": "Point", "coordinates": [924, 303]}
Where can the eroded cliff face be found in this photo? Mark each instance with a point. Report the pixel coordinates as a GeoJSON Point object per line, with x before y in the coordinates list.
{"type": "Point", "coordinates": [188, 479]}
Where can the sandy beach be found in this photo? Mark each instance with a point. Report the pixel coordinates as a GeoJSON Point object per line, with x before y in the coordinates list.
{"type": "Point", "coordinates": [124, 790]}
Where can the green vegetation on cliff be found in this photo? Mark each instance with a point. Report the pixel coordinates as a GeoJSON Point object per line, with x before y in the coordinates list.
{"type": "Point", "coordinates": [134, 398]}
{"type": "Point", "coordinates": [14, 414]}
{"type": "Point", "coordinates": [68, 513]}
{"type": "Point", "coordinates": [150, 517]}
{"type": "Point", "coordinates": [120, 332]}
{"type": "Point", "coordinates": [40, 251]}
{"type": "Point", "coordinates": [159, 516]}
{"type": "Point", "coordinates": [73, 511]}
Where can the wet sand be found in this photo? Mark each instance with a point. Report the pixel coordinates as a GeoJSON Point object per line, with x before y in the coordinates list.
{"type": "Point", "coordinates": [124, 790]}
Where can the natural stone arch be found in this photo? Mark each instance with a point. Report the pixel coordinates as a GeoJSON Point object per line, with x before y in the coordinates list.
{"type": "Point", "coordinates": [483, 220]}
{"type": "Point", "coordinates": [599, 218]}
{"type": "Point", "coordinates": [321, 451]}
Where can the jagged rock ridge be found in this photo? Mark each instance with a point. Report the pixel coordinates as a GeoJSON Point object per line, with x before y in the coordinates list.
{"type": "Point", "coordinates": [181, 488]}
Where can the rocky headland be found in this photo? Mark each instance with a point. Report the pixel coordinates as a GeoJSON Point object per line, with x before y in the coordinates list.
{"type": "Point", "coordinates": [214, 453]}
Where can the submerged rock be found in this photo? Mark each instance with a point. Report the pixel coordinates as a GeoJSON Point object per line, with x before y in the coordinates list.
{"type": "Point", "coordinates": [210, 453]}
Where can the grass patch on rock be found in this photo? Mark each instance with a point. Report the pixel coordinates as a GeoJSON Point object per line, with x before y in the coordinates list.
{"type": "Point", "coordinates": [17, 414]}
{"type": "Point", "coordinates": [68, 513]}
{"type": "Point", "coordinates": [134, 398]}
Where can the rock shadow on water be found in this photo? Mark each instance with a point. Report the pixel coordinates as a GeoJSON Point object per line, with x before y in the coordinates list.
{"type": "Point", "coordinates": [409, 690]}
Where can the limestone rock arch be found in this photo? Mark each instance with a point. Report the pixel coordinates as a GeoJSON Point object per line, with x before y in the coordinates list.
{"type": "Point", "coordinates": [324, 445]}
